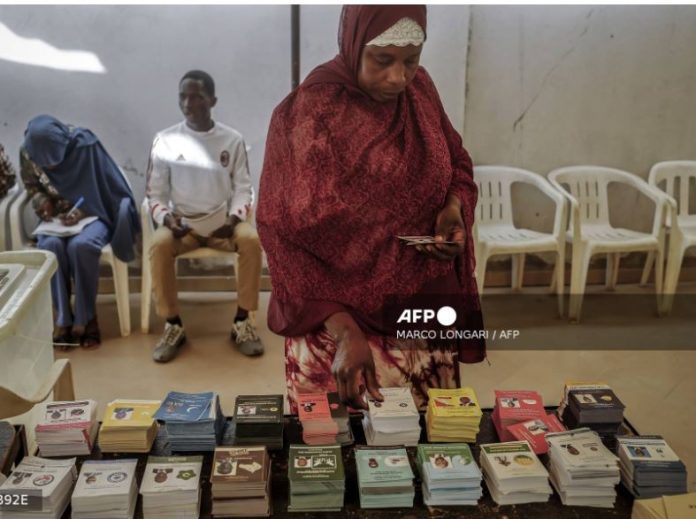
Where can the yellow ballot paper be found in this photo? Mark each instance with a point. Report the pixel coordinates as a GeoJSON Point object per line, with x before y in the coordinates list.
{"type": "Point", "coordinates": [130, 413]}
{"type": "Point", "coordinates": [454, 403]}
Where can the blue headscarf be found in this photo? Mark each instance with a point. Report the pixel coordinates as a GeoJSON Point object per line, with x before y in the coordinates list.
{"type": "Point", "coordinates": [78, 166]}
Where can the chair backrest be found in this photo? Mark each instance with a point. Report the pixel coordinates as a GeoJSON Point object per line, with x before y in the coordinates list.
{"type": "Point", "coordinates": [18, 235]}
{"type": "Point", "coordinates": [677, 178]}
{"type": "Point", "coordinates": [589, 186]}
{"type": "Point", "coordinates": [494, 205]}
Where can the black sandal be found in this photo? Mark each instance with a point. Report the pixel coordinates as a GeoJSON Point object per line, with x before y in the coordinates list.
{"type": "Point", "coordinates": [91, 338]}
{"type": "Point", "coordinates": [65, 340]}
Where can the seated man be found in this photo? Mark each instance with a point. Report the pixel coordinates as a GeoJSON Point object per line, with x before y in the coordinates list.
{"type": "Point", "coordinates": [7, 174]}
{"type": "Point", "coordinates": [198, 171]}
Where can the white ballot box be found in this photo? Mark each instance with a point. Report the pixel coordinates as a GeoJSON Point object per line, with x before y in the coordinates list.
{"type": "Point", "coordinates": [26, 324]}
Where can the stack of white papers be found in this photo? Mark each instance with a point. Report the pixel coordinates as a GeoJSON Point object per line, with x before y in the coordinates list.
{"type": "Point", "coordinates": [395, 421]}
{"type": "Point", "coordinates": [105, 489]}
{"type": "Point", "coordinates": [583, 471]}
{"type": "Point", "coordinates": [67, 428]}
{"type": "Point", "coordinates": [514, 474]}
{"type": "Point", "coordinates": [51, 480]}
{"type": "Point", "coordinates": [171, 487]}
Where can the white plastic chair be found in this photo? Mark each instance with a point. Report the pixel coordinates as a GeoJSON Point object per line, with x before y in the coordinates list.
{"type": "Point", "coordinates": [674, 178]}
{"type": "Point", "coordinates": [497, 234]}
{"type": "Point", "coordinates": [119, 269]}
{"type": "Point", "coordinates": [5, 205]}
{"type": "Point", "coordinates": [148, 227]}
{"type": "Point", "coordinates": [591, 232]}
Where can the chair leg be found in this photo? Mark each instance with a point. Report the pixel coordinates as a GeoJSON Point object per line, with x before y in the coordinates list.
{"type": "Point", "coordinates": [649, 260]}
{"type": "Point", "coordinates": [120, 275]}
{"type": "Point", "coordinates": [612, 272]}
{"type": "Point", "coordinates": [517, 271]}
{"type": "Point", "coordinates": [559, 278]}
{"type": "Point", "coordinates": [674, 262]}
{"type": "Point", "coordinates": [578, 279]}
{"type": "Point", "coordinates": [481, 272]}
{"type": "Point", "coordinates": [145, 297]}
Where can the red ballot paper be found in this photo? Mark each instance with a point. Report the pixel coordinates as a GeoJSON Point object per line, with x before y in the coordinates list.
{"type": "Point", "coordinates": [318, 427]}
{"type": "Point", "coordinates": [534, 431]}
{"type": "Point", "coordinates": [512, 407]}
{"type": "Point", "coordinates": [313, 407]}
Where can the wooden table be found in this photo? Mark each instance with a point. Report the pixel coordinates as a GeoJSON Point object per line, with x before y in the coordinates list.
{"type": "Point", "coordinates": [487, 508]}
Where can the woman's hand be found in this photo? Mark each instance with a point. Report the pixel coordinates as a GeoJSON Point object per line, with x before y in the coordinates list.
{"type": "Point", "coordinates": [353, 362]}
{"type": "Point", "coordinates": [449, 226]}
{"type": "Point", "coordinates": [71, 217]}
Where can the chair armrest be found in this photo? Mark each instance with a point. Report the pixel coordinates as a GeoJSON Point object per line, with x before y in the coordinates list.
{"type": "Point", "coordinates": [574, 207]}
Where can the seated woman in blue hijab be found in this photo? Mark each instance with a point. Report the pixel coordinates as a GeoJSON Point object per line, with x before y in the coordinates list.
{"type": "Point", "coordinates": [62, 165]}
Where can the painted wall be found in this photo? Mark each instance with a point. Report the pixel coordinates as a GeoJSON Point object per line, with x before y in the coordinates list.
{"type": "Point", "coordinates": [551, 86]}
{"type": "Point", "coordinates": [146, 50]}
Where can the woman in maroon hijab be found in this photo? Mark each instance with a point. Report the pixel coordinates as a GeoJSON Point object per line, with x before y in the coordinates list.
{"type": "Point", "coordinates": [362, 152]}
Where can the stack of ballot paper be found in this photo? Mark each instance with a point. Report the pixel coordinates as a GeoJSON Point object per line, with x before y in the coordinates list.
{"type": "Point", "coordinates": [105, 489]}
{"type": "Point", "coordinates": [534, 431]}
{"type": "Point", "coordinates": [513, 473]}
{"type": "Point", "coordinates": [385, 477]}
{"type": "Point", "coordinates": [513, 407]}
{"type": "Point", "coordinates": [394, 421]}
{"type": "Point", "coordinates": [193, 421]}
{"type": "Point", "coordinates": [593, 405]}
{"type": "Point", "coordinates": [449, 473]}
{"type": "Point", "coordinates": [128, 426]}
{"type": "Point", "coordinates": [258, 420]}
{"type": "Point", "coordinates": [583, 471]}
{"type": "Point", "coordinates": [317, 478]}
{"type": "Point", "coordinates": [67, 428]}
{"type": "Point", "coordinates": [171, 487]}
{"type": "Point", "coordinates": [318, 427]}
{"type": "Point", "coordinates": [51, 481]}
{"type": "Point", "coordinates": [649, 467]}
{"type": "Point", "coordinates": [453, 415]}
{"type": "Point", "coordinates": [241, 482]}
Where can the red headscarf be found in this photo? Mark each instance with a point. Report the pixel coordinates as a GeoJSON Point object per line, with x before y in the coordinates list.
{"type": "Point", "coordinates": [344, 174]}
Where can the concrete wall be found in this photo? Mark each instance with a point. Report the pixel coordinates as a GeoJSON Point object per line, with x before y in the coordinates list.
{"type": "Point", "coordinates": [444, 54]}
{"type": "Point", "coordinates": [145, 51]}
{"type": "Point", "coordinates": [607, 85]}
{"type": "Point", "coordinates": [545, 86]}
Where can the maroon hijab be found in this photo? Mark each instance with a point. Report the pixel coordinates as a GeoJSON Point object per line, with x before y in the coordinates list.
{"type": "Point", "coordinates": [344, 174]}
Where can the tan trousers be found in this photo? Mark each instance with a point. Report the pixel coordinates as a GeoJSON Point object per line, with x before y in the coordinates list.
{"type": "Point", "coordinates": [165, 248]}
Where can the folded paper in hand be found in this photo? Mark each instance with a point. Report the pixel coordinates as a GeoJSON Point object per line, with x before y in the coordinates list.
{"type": "Point", "coordinates": [56, 228]}
{"type": "Point", "coordinates": [206, 224]}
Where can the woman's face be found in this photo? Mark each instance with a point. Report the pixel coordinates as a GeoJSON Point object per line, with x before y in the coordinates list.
{"type": "Point", "coordinates": [386, 71]}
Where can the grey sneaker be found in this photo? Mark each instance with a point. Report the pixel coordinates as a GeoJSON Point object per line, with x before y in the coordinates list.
{"type": "Point", "coordinates": [168, 346]}
{"type": "Point", "coordinates": [244, 334]}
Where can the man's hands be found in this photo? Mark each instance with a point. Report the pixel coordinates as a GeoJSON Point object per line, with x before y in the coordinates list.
{"type": "Point", "coordinates": [227, 230]}
{"type": "Point", "coordinates": [449, 226]}
{"type": "Point", "coordinates": [353, 362]}
{"type": "Point", "coordinates": [179, 230]}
